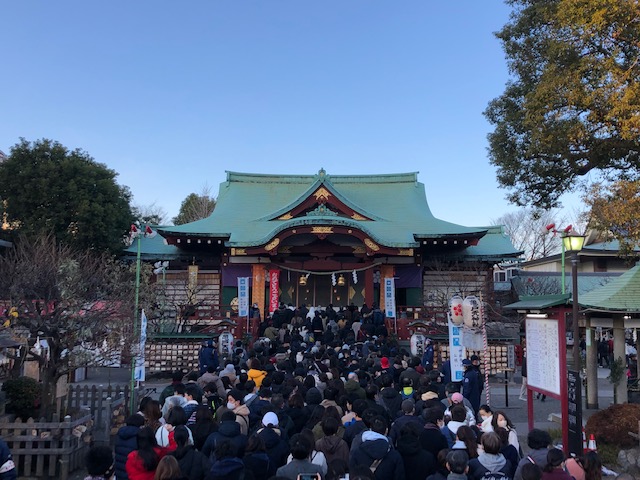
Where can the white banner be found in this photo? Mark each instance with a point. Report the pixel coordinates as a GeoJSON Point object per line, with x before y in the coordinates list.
{"type": "Point", "coordinates": [389, 297]}
{"type": "Point", "coordinates": [243, 296]}
{"type": "Point", "coordinates": [140, 373]}
{"type": "Point", "coordinates": [456, 352]}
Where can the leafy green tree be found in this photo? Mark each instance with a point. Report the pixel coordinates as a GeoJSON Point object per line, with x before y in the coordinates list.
{"type": "Point", "coordinates": [47, 188]}
{"type": "Point", "coordinates": [615, 209]}
{"type": "Point", "coordinates": [195, 206]}
{"type": "Point", "coordinates": [572, 106]}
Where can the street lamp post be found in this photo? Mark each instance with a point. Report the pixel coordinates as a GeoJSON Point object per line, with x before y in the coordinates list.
{"type": "Point", "coordinates": [574, 243]}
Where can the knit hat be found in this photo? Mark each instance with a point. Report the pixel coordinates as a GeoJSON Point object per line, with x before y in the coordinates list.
{"type": "Point", "coordinates": [384, 362]}
{"type": "Point", "coordinates": [270, 418]}
{"type": "Point", "coordinates": [236, 394]}
{"type": "Point", "coordinates": [457, 398]}
{"type": "Point", "coordinates": [228, 369]}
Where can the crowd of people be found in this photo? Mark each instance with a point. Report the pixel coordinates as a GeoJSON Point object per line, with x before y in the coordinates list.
{"type": "Point", "coordinates": [327, 395]}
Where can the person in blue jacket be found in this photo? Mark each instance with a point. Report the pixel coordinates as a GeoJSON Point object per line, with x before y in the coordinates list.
{"type": "Point", "coordinates": [427, 357]}
{"type": "Point", "coordinates": [471, 385]}
{"type": "Point", "coordinates": [126, 442]}
{"type": "Point", "coordinates": [7, 467]}
{"type": "Point", "coordinates": [208, 357]}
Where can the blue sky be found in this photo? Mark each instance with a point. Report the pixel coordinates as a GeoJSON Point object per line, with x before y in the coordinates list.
{"type": "Point", "coordinates": [172, 94]}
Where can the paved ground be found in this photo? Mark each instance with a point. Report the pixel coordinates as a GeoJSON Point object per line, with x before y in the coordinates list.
{"type": "Point", "coordinates": [516, 409]}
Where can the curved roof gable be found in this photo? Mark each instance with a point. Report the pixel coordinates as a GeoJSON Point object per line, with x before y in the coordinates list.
{"type": "Point", "coordinates": [397, 212]}
{"type": "Point", "coordinates": [620, 294]}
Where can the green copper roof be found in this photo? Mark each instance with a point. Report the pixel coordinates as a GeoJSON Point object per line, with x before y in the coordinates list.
{"type": "Point", "coordinates": [155, 248]}
{"type": "Point", "coordinates": [535, 302]}
{"type": "Point", "coordinates": [620, 294]}
{"type": "Point", "coordinates": [494, 245]}
{"type": "Point", "coordinates": [248, 206]}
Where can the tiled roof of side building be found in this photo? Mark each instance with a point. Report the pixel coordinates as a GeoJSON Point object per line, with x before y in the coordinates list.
{"type": "Point", "coordinates": [620, 294]}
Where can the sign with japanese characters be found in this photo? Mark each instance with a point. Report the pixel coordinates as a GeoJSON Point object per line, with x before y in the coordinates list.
{"type": "Point", "coordinates": [274, 290]}
{"type": "Point", "coordinates": [389, 297]}
{"type": "Point", "coordinates": [456, 352]}
{"type": "Point", "coordinates": [543, 354]}
{"type": "Point", "coordinates": [243, 296]}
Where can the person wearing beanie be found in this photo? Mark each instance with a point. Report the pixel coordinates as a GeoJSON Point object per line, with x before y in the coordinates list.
{"type": "Point", "coordinates": [458, 399]}
{"type": "Point", "coordinates": [408, 416]}
{"type": "Point", "coordinates": [275, 442]}
{"type": "Point", "coordinates": [229, 371]}
{"type": "Point", "coordinates": [126, 442]}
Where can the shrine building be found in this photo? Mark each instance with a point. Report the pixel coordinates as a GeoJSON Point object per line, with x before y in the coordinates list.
{"type": "Point", "coordinates": [325, 239]}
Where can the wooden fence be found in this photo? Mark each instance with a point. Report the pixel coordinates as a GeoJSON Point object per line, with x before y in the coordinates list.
{"type": "Point", "coordinates": [55, 449]}
{"type": "Point", "coordinates": [48, 450]}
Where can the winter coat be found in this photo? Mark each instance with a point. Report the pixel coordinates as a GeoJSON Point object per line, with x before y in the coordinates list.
{"type": "Point", "coordinates": [257, 376]}
{"type": "Point", "coordinates": [400, 422]}
{"type": "Point", "coordinates": [353, 388]}
{"type": "Point", "coordinates": [135, 467]}
{"type": "Point", "coordinates": [352, 430]}
{"type": "Point", "coordinates": [7, 463]}
{"type": "Point", "coordinates": [333, 448]}
{"type": "Point", "coordinates": [538, 456]}
{"type": "Point", "coordinates": [126, 442]}
{"type": "Point", "coordinates": [472, 387]}
{"type": "Point", "coordinates": [294, 468]}
{"type": "Point", "coordinates": [242, 418]}
{"type": "Point", "coordinates": [259, 464]}
{"type": "Point", "coordinates": [377, 447]}
{"type": "Point", "coordinates": [432, 439]}
{"type": "Point", "coordinates": [418, 463]}
{"type": "Point", "coordinates": [391, 401]}
{"type": "Point", "coordinates": [298, 417]}
{"type": "Point", "coordinates": [201, 432]}
{"type": "Point", "coordinates": [208, 358]}
{"type": "Point", "coordinates": [226, 431]}
{"type": "Point", "coordinates": [488, 463]}
{"type": "Point", "coordinates": [277, 447]}
{"type": "Point", "coordinates": [229, 469]}
{"type": "Point", "coordinates": [193, 464]}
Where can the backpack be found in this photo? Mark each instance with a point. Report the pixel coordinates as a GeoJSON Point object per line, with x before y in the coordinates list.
{"type": "Point", "coordinates": [214, 402]}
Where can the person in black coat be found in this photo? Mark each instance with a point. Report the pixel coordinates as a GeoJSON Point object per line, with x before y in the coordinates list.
{"type": "Point", "coordinates": [471, 385]}
{"type": "Point", "coordinates": [418, 463]}
{"type": "Point", "coordinates": [376, 452]}
{"type": "Point", "coordinates": [194, 465]}
{"type": "Point", "coordinates": [208, 357]}
{"type": "Point", "coordinates": [275, 442]}
{"type": "Point", "coordinates": [126, 442]}
{"type": "Point", "coordinates": [431, 438]}
{"type": "Point", "coordinates": [256, 458]}
{"type": "Point", "coordinates": [389, 398]}
{"type": "Point", "coordinates": [229, 430]}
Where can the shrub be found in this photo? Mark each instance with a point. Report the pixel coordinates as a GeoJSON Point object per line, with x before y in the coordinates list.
{"type": "Point", "coordinates": [23, 396]}
{"type": "Point", "coordinates": [613, 425]}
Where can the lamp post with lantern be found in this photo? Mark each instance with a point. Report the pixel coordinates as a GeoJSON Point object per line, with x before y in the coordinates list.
{"type": "Point", "coordinates": [572, 242]}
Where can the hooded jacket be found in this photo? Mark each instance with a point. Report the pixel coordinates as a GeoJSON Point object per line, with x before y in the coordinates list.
{"type": "Point", "coordinates": [538, 456]}
{"type": "Point", "coordinates": [193, 464]}
{"type": "Point", "coordinates": [333, 448]}
{"type": "Point", "coordinates": [126, 442]}
{"type": "Point", "coordinates": [391, 401]}
{"type": "Point", "coordinates": [277, 447]}
{"type": "Point", "coordinates": [418, 463]}
{"type": "Point", "coordinates": [230, 468]}
{"type": "Point", "coordinates": [432, 439]}
{"type": "Point", "coordinates": [242, 418]}
{"type": "Point", "coordinates": [257, 376]}
{"type": "Point", "coordinates": [353, 388]}
{"type": "Point", "coordinates": [258, 463]}
{"type": "Point", "coordinates": [227, 431]}
{"type": "Point", "coordinates": [376, 447]}
{"type": "Point", "coordinates": [488, 462]}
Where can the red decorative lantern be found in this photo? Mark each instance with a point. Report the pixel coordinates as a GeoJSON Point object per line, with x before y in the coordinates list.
{"type": "Point", "coordinates": [455, 310]}
{"type": "Point", "coordinates": [471, 312]}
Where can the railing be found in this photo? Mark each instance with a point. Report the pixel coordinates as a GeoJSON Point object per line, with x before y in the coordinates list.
{"type": "Point", "coordinates": [46, 449]}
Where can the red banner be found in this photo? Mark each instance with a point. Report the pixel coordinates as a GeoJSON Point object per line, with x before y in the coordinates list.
{"type": "Point", "coordinates": [274, 294]}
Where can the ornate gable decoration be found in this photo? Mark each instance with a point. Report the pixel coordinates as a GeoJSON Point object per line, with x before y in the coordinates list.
{"type": "Point", "coordinates": [323, 203]}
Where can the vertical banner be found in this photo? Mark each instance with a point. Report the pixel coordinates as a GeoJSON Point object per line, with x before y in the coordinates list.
{"type": "Point", "coordinates": [274, 287]}
{"type": "Point", "coordinates": [140, 373]}
{"type": "Point", "coordinates": [456, 352]}
{"type": "Point", "coordinates": [243, 296]}
{"type": "Point", "coordinates": [389, 297]}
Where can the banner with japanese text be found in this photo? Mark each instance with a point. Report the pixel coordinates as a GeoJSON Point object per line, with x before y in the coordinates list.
{"type": "Point", "coordinates": [139, 374]}
{"type": "Point", "coordinates": [389, 297]}
{"type": "Point", "coordinates": [274, 290]}
{"type": "Point", "coordinates": [456, 352]}
{"type": "Point", "coordinates": [243, 296]}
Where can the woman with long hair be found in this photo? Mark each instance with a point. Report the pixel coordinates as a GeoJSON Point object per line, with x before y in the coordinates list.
{"type": "Point", "coordinates": [164, 434]}
{"type": "Point", "coordinates": [153, 415]}
{"type": "Point", "coordinates": [466, 440]}
{"type": "Point", "coordinates": [501, 420]}
{"type": "Point", "coordinates": [256, 459]}
{"type": "Point", "coordinates": [204, 426]}
{"type": "Point", "coordinates": [587, 467]}
{"type": "Point", "coordinates": [168, 469]}
{"type": "Point", "coordinates": [193, 464]}
{"type": "Point", "coordinates": [142, 463]}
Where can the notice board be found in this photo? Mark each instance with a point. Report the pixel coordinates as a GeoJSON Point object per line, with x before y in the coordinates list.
{"type": "Point", "coordinates": [543, 354]}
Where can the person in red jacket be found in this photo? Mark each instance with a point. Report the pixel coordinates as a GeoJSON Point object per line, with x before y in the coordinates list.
{"type": "Point", "coordinates": [141, 463]}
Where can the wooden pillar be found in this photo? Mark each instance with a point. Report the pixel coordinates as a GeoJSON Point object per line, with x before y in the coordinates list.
{"type": "Point", "coordinates": [619, 352]}
{"type": "Point", "coordinates": [386, 271]}
{"type": "Point", "coordinates": [368, 286]}
{"type": "Point", "coordinates": [257, 288]}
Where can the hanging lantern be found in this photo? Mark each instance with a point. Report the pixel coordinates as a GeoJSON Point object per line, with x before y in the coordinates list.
{"type": "Point", "coordinates": [303, 280]}
{"type": "Point", "coordinates": [225, 344]}
{"type": "Point", "coordinates": [341, 281]}
{"type": "Point", "coordinates": [455, 310]}
{"type": "Point", "coordinates": [471, 312]}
